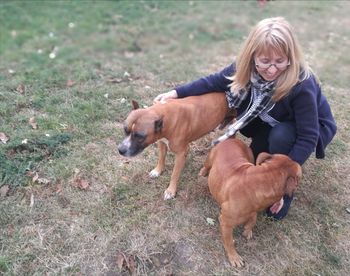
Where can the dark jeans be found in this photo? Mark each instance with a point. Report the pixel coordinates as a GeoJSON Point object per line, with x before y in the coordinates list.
{"type": "Point", "coordinates": [277, 139]}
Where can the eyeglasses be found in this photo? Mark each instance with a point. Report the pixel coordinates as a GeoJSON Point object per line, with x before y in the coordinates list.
{"type": "Point", "coordinates": [279, 66]}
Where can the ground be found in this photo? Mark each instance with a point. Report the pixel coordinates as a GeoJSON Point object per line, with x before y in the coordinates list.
{"type": "Point", "coordinates": [71, 205]}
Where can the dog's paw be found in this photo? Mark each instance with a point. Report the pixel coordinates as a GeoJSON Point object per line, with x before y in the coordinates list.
{"type": "Point", "coordinates": [248, 234]}
{"type": "Point", "coordinates": [154, 173]}
{"type": "Point", "coordinates": [168, 195]}
{"type": "Point", "coordinates": [236, 261]}
{"type": "Point", "coordinates": [203, 172]}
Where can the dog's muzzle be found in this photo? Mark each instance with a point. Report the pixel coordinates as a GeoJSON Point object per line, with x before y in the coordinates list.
{"type": "Point", "coordinates": [129, 149]}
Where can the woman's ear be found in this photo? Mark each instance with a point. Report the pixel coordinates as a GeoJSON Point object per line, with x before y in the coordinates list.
{"type": "Point", "coordinates": [262, 157]}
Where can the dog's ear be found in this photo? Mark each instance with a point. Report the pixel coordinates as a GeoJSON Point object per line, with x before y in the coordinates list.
{"type": "Point", "coordinates": [262, 157]}
{"type": "Point", "coordinates": [291, 185]}
{"type": "Point", "coordinates": [135, 105]}
{"type": "Point", "coordinates": [295, 174]}
{"type": "Point", "coordinates": [158, 125]}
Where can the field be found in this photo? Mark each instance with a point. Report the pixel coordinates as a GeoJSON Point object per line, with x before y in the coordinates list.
{"type": "Point", "coordinates": [71, 205]}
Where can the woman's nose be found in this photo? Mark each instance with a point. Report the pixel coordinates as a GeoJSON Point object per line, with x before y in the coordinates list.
{"type": "Point", "coordinates": [272, 69]}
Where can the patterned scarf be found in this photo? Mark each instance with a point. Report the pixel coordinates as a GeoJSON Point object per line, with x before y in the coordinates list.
{"type": "Point", "coordinates": [260, 103]}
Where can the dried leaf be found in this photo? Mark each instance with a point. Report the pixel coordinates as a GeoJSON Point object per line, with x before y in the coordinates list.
{"type": "Point", "coordinates": [132, 265]}
{"type": "Point", "coordinates": [21, 88]}
{"type": "Point", "coordinates": [35, 177]}
{"type": "Point", "coordinates": [3, 137]}
{"type": "Point", "coordinates": [210, 221]}
{"type": "Point", "coordinates": [58, 189]}
{"type": "Point", "coordinates": [43, 180]}
{"type": "Point", "coordinates": [120, 260]}
{"type": "Point", "coordinates": [81, 183]}
{"type": "Point", "coordinates": [33, 123]}
{"type": "Point", "coordinates": [4, 190]}
{"type": "Point", "coordinates": [70, 83]}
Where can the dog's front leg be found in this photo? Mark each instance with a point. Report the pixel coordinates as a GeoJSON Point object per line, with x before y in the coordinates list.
{"type": "Point", "coordinates": [162, 148]}
{"type": "Point", "coordinates": [226, 227]}
{"type": "Point", "coordinates": [180, 159]}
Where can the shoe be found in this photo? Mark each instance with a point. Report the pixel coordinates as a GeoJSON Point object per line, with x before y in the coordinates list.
{"type": "Point", "coordinates": [283, 212]}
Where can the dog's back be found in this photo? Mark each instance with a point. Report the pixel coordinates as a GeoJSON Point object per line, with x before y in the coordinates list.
{"type": "Point", "coordinates": [192, 117]}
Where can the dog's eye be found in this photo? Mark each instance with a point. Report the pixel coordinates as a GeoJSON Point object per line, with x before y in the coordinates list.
{"type": "Point", "coordinates": [126, 131]}
{"type": "Point", "coordinates": [139, 137]}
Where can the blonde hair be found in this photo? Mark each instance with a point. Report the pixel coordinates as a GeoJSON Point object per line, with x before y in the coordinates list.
{"type": "Point", "coordinates": [271, 35]}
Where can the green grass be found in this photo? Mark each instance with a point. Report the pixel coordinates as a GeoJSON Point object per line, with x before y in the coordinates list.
{"type": "Point", "coordinates": [116, 51]}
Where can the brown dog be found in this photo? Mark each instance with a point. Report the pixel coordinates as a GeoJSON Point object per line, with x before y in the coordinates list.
{"type": "Point", "coordinates": [242, 189]}
{"type": "Point", "coordinates": [179, 121]}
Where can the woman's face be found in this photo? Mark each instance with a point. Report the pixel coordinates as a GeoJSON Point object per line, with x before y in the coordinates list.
{"type": "Point", "coordinates": [270, 66]}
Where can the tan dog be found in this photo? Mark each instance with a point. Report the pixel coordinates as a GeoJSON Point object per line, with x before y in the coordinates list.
{"type": "Point", "coordinates": [242, 189]}
{"type": "Point", "coordinates": [179, 121]}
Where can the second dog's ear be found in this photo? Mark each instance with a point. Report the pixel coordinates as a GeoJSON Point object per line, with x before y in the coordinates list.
{"type": "Point", "coordinates": [135, 104]}
{"type": "Point", "coordinates": [262, 157]}
{"type": "Point", "coordinates": [158, 125]}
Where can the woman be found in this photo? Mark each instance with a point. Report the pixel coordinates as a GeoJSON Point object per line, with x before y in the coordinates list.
{"type": "Point", "coordinates": [278, 99]}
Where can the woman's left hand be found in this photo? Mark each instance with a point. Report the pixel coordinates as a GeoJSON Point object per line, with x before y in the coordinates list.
{"type": "Point", "coordinates": [277, 206]}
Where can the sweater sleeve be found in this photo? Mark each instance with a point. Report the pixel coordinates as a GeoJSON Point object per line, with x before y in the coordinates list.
{"type": "Point", "coordinates": [217, 82]}
{"type": "Point", "coordinates": [306, 119]}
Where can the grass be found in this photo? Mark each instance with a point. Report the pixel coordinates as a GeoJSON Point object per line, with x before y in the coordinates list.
{"type": "Point", "coordinates": [107, 53]}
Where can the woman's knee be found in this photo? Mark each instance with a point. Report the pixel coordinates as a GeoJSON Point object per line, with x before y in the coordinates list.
{"type": "Point", "coordinates": [282, 138]}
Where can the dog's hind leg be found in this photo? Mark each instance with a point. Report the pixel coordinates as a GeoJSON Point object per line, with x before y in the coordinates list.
{"type": "Point", "coordinates": [163, 149]}
{"type": "Point", "coordinates": [248, 226]}
{"type": "Point", "coordinates": [226, 227]}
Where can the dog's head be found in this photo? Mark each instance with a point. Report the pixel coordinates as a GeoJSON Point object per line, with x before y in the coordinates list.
{"type": "Point", "coordinates": [142, 128]}
{"type": "Point", "coordinates": [293, 169]}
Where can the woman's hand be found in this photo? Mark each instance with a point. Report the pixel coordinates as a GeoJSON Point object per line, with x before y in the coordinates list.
{"type": "Point", "coordinates": [277, 206]}
{"type": "Point", "coordinates": [165, 96]}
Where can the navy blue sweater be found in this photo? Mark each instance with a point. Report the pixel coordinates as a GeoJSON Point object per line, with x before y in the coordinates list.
{"type": "Point", "coordinates": [305, 105]}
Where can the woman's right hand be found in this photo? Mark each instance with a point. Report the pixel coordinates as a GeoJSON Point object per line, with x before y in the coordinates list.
{"type": "Point", "coordinates": [165, 96]}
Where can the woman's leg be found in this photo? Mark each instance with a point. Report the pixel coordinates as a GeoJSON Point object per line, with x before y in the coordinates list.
{"type": "Point", "coordinates": [281, 140]}
{"type": "Point", "coordinates": [259, 132]}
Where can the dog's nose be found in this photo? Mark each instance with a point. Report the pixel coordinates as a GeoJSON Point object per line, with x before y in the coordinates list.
{"type": "Point", "coordinates": [122, 150]}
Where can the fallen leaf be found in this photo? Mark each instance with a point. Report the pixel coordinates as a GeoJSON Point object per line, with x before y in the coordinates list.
{"type": "Point", "coordinates": [210, 221]}
{"type": "Point", "coordinates": [43, 180]}
{"type": "Point", "coordinates": [132, 265]}
{"type": "Point", "coordinates": [4, 190]}
{"type": "Point", "coordinates": [35, 177]}
{"type": "Point", "coordinates": [70, 83]}
{"type": "Point", "coordinates": [120, 260]}
{"type": "Point", "coordinates": [21, 89]}
{"type": "Point", "coordinates": [33, 123]}
{"type": "Point", "coordinates": [58, 189]}
{"type": "Point", "coordinates": [81, 183]}
{"type": "Point", "coordinates": [30, 174]}
{"type": "Point", "coordinates": [3, 137]}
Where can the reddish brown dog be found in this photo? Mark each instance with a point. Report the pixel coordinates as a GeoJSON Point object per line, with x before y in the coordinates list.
{"type": "Point", "coordinates": [180, 122]}
{"type": "Point", "coordinates": [242, 188]}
